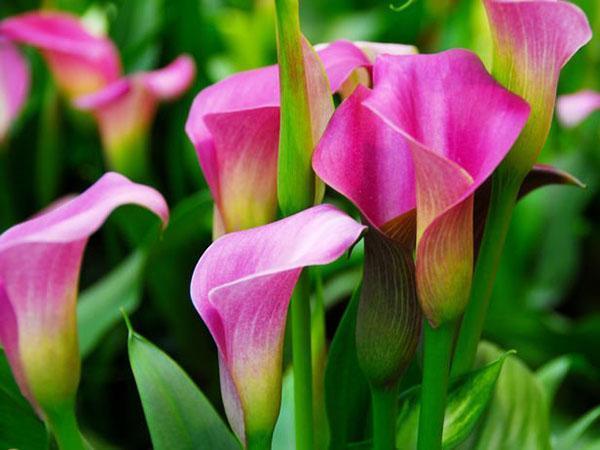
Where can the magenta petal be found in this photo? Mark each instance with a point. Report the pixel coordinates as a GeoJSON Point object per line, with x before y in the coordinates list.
{"type": "Point", "coordinates": [81, 63]}
{"type": "Point", "coordinates": [14, 84]}
{"type": "Point", "coordinates": [573, 109]}
{"type": "Point", "coordinates": [171, 81]}
{"type": "Point", "coordinates": [234, 126]}
{"type": "Point", "coordinates": [39, 268]}
{"type": "Point", "coordinates": [242, 286]}
{"type": "Point", "coordinates": [366, 161]}
{"type": "Point", "coordinates": [342, 59]}
{"type": "Point", "coordinates": [125, 110]}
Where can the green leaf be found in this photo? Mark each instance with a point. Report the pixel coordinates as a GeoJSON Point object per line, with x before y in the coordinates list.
{"type": "Point", "coordinates": [518, 416]}
{"type": "Point", "coordinates": [284, 435]}
{"type": "Point", "coordinates": [553, 373]}
{"type": "Point", "coordinates": [468, 398]}
{"type": "Point", "coordinates": [568, 439]}
{"type": "Point", "coordinates": [178, 415]}
{"type": "Point", "coordinates": [99, 306]}
{"type": "Point", "coordinates": [346, 388]}
{"type": "Point", "coordinates": [20, 427]}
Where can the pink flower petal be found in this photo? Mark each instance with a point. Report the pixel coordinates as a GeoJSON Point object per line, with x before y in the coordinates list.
{"type": "Point", "coordinates": [39, 269]}
{"type": "Point", "coordinates": [14, 84]}
{"type": "Point", "coordinates": [126, 108]}
{"type": "Point", "coordinates": [574, 108]}
{"type": "Point", "coordinates": [242, 286]}
{"type": "Point", "coordinates": [81, 63]}
{"type": "Point", "coordinates": [366, 161]}
{"type": "Point", "coordinates": [342, 59]}
{"type": "Point", "coordinates": [234, 126]}
{"type": "Point", "coordinates": [171, 81]}
{"type": "Point", "coordinates": [533, 40]}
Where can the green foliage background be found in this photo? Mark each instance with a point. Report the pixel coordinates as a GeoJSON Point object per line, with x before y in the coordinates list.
{"type": "Point", "coordinates": [547, 298]}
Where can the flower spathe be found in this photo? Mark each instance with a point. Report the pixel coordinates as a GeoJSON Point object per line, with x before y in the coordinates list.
{"type": "Point", "coordinates": [14, 85]}
{"type": "Point", "coordinates": [431, 131]}
{"type": "Point", "coordinates": [573, 109]}
{"type": "Point", "coordinates": [80, 62]}
{"type": "Point", "coordinates": [241, 288]}
{"type": "Point", "coordinates": [532, 41]}
{"type": "Point", "coordinates": [234, 126]}
{"type": "Point", "coordinates": [40, 262]}
{"type": "Point", "coordinates": [125, 109]}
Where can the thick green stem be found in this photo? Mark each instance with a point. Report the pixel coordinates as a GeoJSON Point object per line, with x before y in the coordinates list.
{"type": "Point", "coordinates": [63, 425]}
{"type": "Point", "coordinates": [301, 352]}
{"type": "Point", "coordinates": [437, 354]}
{"type": "Point", "coordinates": [502, 202]}
{"type": "Point", "coordinates": [384, 401]}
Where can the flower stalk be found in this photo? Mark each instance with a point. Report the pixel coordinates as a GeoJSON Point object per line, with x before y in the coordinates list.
{"type": "Point", "coordinates": [437, 355]}
{"type": "Point", "coordinates": [63, 425]}
{"type": "Point", "coordinates": [384, 401]}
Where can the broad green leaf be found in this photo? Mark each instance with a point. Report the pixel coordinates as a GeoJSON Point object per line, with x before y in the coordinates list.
{"type": "Point", "coordinates": [20, 427]}
{"type": "Point", "coordinates": [346, 389]}
{"type": "Point", "coordinates": [178, 415]}
{"type": "Point", "coordinates": [518, 416]}
{"type": "Point", "coordinates": [468, 398]}
{"type": "Point", "coordinates": [99, 306]}
{"type": "Point", "coordinates": [568, 439]}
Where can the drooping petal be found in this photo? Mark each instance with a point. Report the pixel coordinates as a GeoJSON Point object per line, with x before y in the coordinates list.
{"type": "Point", "coordinates": [533, 40]}
{"type": "Point", "coordinates": [80, 62]}
{"type": "Point", "coordinates": [39, 268]}
{"type": "Point", "coordinates": [574, 108]}
{"type": "Point", "coordinates": [126, 108]}
{"type": "Point", "coordinates": [241, 288]}
{"type": "Point", "coordinates": [14, 84]}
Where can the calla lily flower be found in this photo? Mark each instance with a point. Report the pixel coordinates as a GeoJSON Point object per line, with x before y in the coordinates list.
{"type": "Point", "coordinates": [40, 262]}
{"type": "Point", "coordinates": [431, 131]}
{"type": "Point", "coordinates": [234, 126]}
{"type": "Point", "coordinates": [573, 109]}
{"type": "Point", "coordinates": [241, 288]}
{"type": "Point", "coordinates": [125, 110]}
{"type": "Point", "coordinates": [350, 63]}
{"type": "Point", "coordinates": [80, 62]}
{"type": "Point", "coordinates": [533, 40]}
{"type": "Point", "coordinates": [14, 85]}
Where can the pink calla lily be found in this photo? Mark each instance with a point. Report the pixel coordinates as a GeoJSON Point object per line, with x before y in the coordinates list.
{"type": "Point", "coordinates": [573, 109]}
{"type": "Point", "coordinates": [125, 109]}
{"type": "Point", "coordinates": [350, 63]}
{"type": "Point", "coordinates": [431, 131]}
{"type": "Point", "coordinates": [40, 262]}
{"type": "Point", "coordinates": [80, 62]}
{"type": "Point", "coordinates": [241, 288]}
{"type": "Point", "coordinates": [234, 126]}
{"type": "Point", "coordinates": [533, 40]}
{"type": "Point", "coordinates": [14, 85]}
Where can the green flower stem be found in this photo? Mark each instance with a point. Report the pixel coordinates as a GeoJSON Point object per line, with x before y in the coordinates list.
{"type": "Point", "coordinates": [437, 355]}
{"type": "Point", "coordinates": [6, 205]}
{"type": "Point", "coordinates": [63, 425]}
{"type": "Point", "coordinates": [48, 156]}
{"type": "Point", "coordinates": [301, 352]}
{"type": "Point", "coordinates": [384, 401]}
{"type": "Point", "coordinates": [505, 189]}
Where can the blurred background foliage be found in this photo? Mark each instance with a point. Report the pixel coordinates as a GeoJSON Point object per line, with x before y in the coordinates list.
{"type": "Point", "coordinates": [547, 297]}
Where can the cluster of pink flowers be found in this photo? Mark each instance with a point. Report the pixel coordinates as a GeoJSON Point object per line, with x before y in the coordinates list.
{"type": "Point", "coordinates": [411, 146]}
